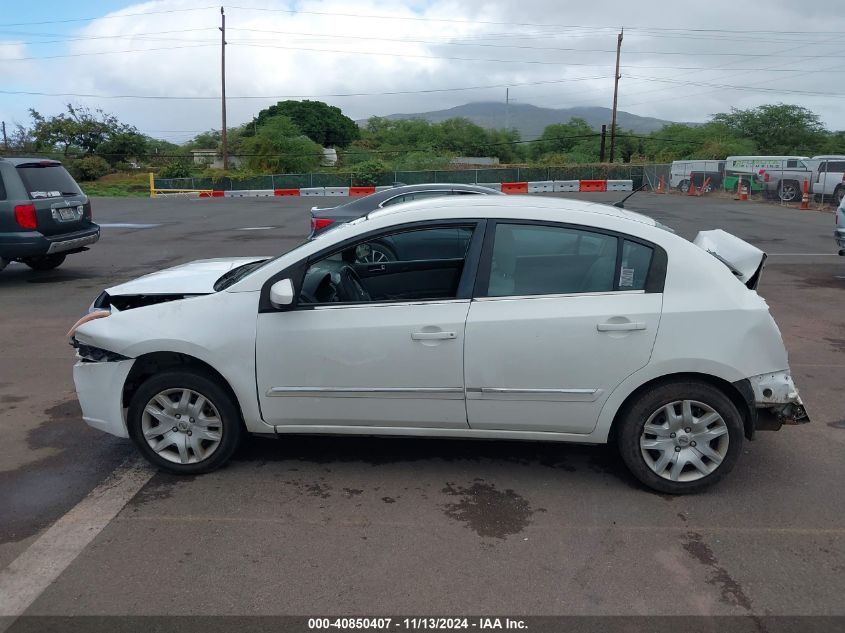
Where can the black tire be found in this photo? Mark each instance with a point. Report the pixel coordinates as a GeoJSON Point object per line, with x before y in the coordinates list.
{"type": "Point", "coordinates": [638, 412]}
{"type": "Point", "coordinates": [838, 195]}
{"type": "Point", "coordinates": [683, 186]}
{"type": "Point", "coordinates": [44, 262]}
{"type": "Point", "coordinates": [209, 388]}
{"type": "Point", "coordinates": [789, 191]}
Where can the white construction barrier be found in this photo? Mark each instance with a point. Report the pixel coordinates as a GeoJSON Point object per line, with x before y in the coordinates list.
{"type": "Point", "coordinates": [540, 186]}
{"type": "Point", "coordinates": [620, 185]}
{"type": "Point", "coordinates": [248, 193]}
{"type": "Point", "coordinates": [491, 185]}
{"type": "Point", "coordinates": [566, 185]}
{"type": "Point", "coordinates": [312, 191]}
{"type": "Point", "coordinates": [336, 191]}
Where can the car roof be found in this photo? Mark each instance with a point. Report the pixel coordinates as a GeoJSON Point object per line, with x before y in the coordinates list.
{"type": "Point", "coordinates": [511, 205]}
{"type": "Point", "coordinates": [374, 199]}
{"type": "Point", "coordinates": [23, 160]}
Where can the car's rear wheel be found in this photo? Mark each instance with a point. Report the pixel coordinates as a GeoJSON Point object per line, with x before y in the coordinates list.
{"type": "Point", "coordinates": [680, 437]}
{"type": "Point", "coordinates": [838, 195]}
{"type": "Point", "coordinates": [184, 421]}
{"type": "Point", "coordinates": [683, 186]}
{"type": "Point", "coordinates": [788, 191]}
{"type": "Point", "coordinates": [374, 253]}
{"type": "Point", "coordinates": [44, 262]}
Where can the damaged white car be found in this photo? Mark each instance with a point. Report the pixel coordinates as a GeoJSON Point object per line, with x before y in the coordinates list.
{"type": "Point", "coordinates": [516, 318]}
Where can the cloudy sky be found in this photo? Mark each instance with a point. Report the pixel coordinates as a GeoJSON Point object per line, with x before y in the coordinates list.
{"type": "Point", "coordinates": [156, 64]}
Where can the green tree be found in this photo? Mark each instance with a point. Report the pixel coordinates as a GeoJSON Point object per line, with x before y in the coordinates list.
{"type": "Point", "coordinates": [279, 146]}
{"type": "Point", "coordinates": [88, 131]}
{"type": "Point", "coordinates": [322, 123]}
{"type": "Point", "coordinates": [779, 129]}
{"type": "Point", "coordinates": [562, 138]}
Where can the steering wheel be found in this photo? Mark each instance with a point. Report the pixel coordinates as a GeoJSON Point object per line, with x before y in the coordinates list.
{"type": "Point", "coordinates": [350, 287]}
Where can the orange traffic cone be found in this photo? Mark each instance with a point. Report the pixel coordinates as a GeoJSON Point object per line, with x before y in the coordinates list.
{"type": "Point", "coordinates": [661, 185]}
{"type": "Point", "coordinates": [703, 189]}
{"type": "Point", "coordinates": [691, 190]}
{"type": "Point", "coordinates": [805, 199]}
{"type": "Point", "coordinates": [741, 190]}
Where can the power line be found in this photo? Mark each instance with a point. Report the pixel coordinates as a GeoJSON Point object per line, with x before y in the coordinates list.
{"type": "Point", "coordinates": [297, 96]}
{"type": "Point", "coordinates": [107, 17]}
{"type": "Point", "coordinates": [131, 50]}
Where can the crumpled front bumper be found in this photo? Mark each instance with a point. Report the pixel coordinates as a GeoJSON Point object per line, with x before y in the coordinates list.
{"type": "Point", "coordinates": [99, 387]}
{"type": "Point", "coordinates": [777, 401]}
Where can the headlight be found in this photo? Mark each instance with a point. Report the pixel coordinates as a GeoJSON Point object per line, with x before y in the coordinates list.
{"type": "Point", "coordinates": [96, 354]}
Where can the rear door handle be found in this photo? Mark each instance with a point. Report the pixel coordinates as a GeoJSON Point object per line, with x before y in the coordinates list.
{"type": "Point", "coordinates": [620, 327]}
{"type": "Point", "coordinates": [433, 336]}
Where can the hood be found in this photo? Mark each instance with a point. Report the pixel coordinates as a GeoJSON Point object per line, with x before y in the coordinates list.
{"type": "Point", "coordinates": [193, 278]}
{"type": "Point", "coordinates": [744, 260]}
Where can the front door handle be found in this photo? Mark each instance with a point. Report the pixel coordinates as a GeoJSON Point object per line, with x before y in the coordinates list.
{"type": "Point", "coordinates": [433, 336]}
{"type": "Point", "coordinates": [620, 327]}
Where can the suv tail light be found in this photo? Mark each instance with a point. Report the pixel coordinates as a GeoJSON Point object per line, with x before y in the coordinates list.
{"type": "Point", "coordinates": [25, 216]}
{"type": "Point", "coordinates": [318, 224]}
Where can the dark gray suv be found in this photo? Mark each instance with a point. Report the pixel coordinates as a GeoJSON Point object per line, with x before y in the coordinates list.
{"type": "Point", "coordinates": [44, 216]}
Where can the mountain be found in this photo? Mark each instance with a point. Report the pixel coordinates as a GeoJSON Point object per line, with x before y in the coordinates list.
{"type": "Point", "coordinates": [530, 120]}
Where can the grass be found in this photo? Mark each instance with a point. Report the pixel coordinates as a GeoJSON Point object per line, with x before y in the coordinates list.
{"type": "Point", "coordinates": [119, 185]}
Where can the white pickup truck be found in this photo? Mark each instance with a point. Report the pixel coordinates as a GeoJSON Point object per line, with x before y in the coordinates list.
{"type": "Point", "coordinates": [828, 179]}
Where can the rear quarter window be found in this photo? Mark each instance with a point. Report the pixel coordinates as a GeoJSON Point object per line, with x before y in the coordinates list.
{"type": "Point", "coordinates": [47, 181]}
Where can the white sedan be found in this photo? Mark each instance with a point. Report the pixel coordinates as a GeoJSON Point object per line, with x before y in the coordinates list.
{"type": "Point", "coordinates": [516, 318]}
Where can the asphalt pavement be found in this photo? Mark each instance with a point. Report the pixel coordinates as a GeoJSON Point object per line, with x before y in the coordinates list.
{"type": "Point", "coordinates": [321, 525]}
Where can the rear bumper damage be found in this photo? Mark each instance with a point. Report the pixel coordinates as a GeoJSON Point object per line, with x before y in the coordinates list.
{"type": "Point", "coordinates": [777, 401]}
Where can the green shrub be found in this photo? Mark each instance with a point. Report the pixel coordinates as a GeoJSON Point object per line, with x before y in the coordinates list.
{"type": "Point", "coordinates": [175, 169]}
{"type": "Point", "coordinates": [366, 173]}
{"type": "Point", "coordinates": [88, 168]}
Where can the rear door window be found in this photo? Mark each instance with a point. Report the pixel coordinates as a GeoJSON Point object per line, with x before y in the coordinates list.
{"type": "Point", "coordinates": [542, 260]}
{"type": "Point", "coordinates": [47, 181]}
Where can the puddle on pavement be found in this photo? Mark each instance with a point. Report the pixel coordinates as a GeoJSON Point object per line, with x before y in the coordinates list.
{"type": "Point", "coordinates": [489, 512]}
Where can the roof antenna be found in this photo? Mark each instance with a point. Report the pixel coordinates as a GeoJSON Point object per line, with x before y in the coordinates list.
{"type": "Point", "coordinates": [621, 203]}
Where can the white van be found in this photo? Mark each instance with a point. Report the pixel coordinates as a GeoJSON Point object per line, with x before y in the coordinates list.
{"type": "Point", "coordinates": [682, 172]}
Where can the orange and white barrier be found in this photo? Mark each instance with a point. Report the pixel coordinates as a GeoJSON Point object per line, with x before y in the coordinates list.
{"type": "Point", "coordinates": [540, 186]}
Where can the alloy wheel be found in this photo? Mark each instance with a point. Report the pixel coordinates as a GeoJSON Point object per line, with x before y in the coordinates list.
{"type": "Point", "coordinates": [788, 193]}
{"type": "Point", "coordinates": [182, 426]}
{"type": "Point", "coordinates": [684, 440]}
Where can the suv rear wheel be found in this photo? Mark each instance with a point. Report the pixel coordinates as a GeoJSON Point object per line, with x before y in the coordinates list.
{"type": "Point", "coordinates": [838, 195]}
{"type": "Point", "coordinates": [680, 437]}
{"type": "Point", "coordinates": [44, 262]}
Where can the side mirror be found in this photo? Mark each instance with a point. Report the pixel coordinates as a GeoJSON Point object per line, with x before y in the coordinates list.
{"type": "Point", "coordinates": [281, 293]}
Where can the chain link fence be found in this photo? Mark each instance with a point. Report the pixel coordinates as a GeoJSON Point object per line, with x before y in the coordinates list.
{"type": "Point", "coordinates": [648, 175]}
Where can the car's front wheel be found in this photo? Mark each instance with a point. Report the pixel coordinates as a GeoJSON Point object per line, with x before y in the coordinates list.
{"type": "Point", "coordinates": [44, 262]}
{"type": "Point", "coordinates": [184, 421]}
{"type": "Point", "coordinates": [680, 437]}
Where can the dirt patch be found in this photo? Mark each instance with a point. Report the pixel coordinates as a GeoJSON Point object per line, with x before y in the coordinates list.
{"type": "Point", "coordinates": [489, 512]}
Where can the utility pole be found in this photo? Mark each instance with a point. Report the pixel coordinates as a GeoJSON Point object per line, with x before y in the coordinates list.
{"type": "Point", "coordinates": [615, 95]}
{"type": "Point", "coordinates": [507, 109]}
{"type": "Point", "coordinates": [601, 147]}
{"type": "Point", "coordinates": [223, 85]}
{"type": "Point", "coordinates": [5, 140]}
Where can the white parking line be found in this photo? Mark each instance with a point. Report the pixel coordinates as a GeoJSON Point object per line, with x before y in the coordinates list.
{"type": "Point", "coordinates": [41, 563]}
{"type": "Point", "coordinates": [805, 254]}
{"type": "Point", "coordinates": [256, 228]}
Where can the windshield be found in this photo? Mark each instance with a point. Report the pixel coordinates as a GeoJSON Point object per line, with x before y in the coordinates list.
{"type": "Point", "coordinates": [50, 180]}
{"type": "Point", "coordinates": [236, 274]}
